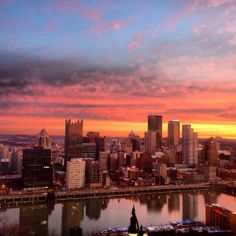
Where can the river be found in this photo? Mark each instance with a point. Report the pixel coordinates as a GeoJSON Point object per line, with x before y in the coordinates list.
{"type": "Point", "coordinates": [93, 215]}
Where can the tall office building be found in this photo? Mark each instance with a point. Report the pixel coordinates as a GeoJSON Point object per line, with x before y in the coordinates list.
{"type": "Point", "coordinates": [94, 137]}
{"type": "Point", "coordinates": [36, 167]}
{"type": "Point", "coordinates": [44, 140]}
{"type": "Point", "coordinates": [135, 141]}
{"type": "Point", "coordinates": [173, 133]}
{"type": "Point", "coordinates": [210, 152]}
{"type": "Point", "coordinates": [73, 139]}
{"type": "Point", "coordinates": [189, 145]}
{"type": "Point", "coordinates": [155, 125]}
{"type": "Point", "coordinates": [103, 160]}
{"type": "Point", "coordinates": [94, 174]}
{"type": "Point", "coordinates": [75, 173]}
{"type": "Point", "coordinates": [150, 138]}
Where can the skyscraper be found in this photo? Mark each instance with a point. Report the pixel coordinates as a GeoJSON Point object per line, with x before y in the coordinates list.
{"type": "Point", "coordinates": [94, 137]}
{"type": "Point", "coordinates": [73, 139]}
{"type": "Point", "coordinates": [173, 133]}
{"type": "Point", "coordinates": [150, 138]}
{"type": "Point", "coordinates": [189, 145]}
{"type": "Point", "coordinates": [44, 140]}
{"type": "Point", "coordinates": [155, 125]}
{"type": "Point", "coordinates": [94, 174]}
{"type": "Point", "coordinates": [36, 167]}
{"type": "Point", "coordinates": [135, 141]}
{"type": "Point", "coordinates": [210, 152]}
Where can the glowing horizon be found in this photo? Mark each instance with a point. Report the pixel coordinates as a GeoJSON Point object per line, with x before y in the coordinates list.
{"type": "Point", "coordinates": [117, 128]}
{"type": "Point", "coordinates": [113, 63]}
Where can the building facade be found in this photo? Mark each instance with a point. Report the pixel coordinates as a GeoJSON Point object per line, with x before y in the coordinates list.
{"type": "Point", "coordinates": [73, 139]}
{"type": "Point", "coordinates": [36, 168]}
{"type": "Point", "coordinates": [173, 133]}
{"type": "Point", "coordinates": [155, 125]}
{"type": "Point", "coordinates": [150, 138]}
{"type": "Point", "coordinates": [189, 145]}
{"type": "Point", "coordinates": [75, 173]}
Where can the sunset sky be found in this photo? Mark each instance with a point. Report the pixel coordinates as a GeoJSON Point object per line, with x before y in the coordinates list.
{"type": "Point", "coordinates": [112, 63]}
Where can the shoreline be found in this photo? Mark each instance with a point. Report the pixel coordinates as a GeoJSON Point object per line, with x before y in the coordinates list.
{"type": "Point", "coordinates": [21, 198]}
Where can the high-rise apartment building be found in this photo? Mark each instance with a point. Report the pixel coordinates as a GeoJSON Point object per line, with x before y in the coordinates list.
{"type": "Point", "coordinates": [73, 139]}
{"type": "Point", "coordinates": [155, 125]}
{"type": "Point", "coordinates": [75, 173]}
{"type": "Point", "coordinates": [150, 138]}
{"type": "Point", "coordinates": [189, 145]}
{"type": "Point", "coordinates": [173, 133]}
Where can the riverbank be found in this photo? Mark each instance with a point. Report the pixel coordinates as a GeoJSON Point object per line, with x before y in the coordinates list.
{"type": "Point", "coordinates": [42, 196]}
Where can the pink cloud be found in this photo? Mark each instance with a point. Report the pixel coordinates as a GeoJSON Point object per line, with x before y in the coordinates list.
{"type": "Point", "coordinates": [136, 41]}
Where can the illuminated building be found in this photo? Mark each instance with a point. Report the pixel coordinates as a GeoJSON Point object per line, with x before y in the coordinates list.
{"type": "Point", "coordinates": [173, 133]}
{"type": "Point", "coordinates": [219, 216]}
{"type": "Point", "coordinates": [44, 140]}
{"type": "Point", "coordinates": [4, 149]}
{"type": "Point", "coordinates": [189, 145]}
{"type": "Point", "coordinates": [155, 125]}
{"type": "Point", "coordinates": [75, 173]}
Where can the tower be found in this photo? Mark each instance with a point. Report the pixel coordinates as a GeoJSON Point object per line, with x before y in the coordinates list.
{"type": "Point", "coordinates": [210, 152]}
{"type": "Point", "coordinates": [189, 145]}
{"type": "Point", "coordinates": [44, 140]}
{"type": "Point", "coordinates": [155, 125]}
{"type": "Point", "coordinates": [73, 139]}
{"type": "Point", "coordinates": [150, 138]}
{"type": "Point", "coordinates": [173, 133]}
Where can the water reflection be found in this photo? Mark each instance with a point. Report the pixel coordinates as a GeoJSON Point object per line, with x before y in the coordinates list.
{"type": "Point", "coordinates": [99, 213]}
{"type": "Point", "coordinates": [34, 219]}
{"type": "Point", "coordinates": [190, 203]}
{"type": "Point", "coordinates": [95, 206]}
{"type": "Point", "coordinates": [156, 202]}
{"type": "Point", "coordinates": [72, 215]}
{"type": "Point", "coordinates": [211, 197]}
{"type": "Point", "coordinates": [174, 202]}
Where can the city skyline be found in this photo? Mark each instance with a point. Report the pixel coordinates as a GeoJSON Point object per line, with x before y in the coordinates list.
{"type": "Point", "coordinates": [141, 133]}
{"type": "Point", "coordinates": [114, 63]}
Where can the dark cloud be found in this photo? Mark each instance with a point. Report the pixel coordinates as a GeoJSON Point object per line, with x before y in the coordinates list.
{"type": "Point", "coordinates": [19, 72]}
{"type": "Point", "coordinates": [8, 104]}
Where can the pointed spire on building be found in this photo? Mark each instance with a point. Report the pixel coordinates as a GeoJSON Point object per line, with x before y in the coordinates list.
{"type": "Point", "coordinates": [44, 139]}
